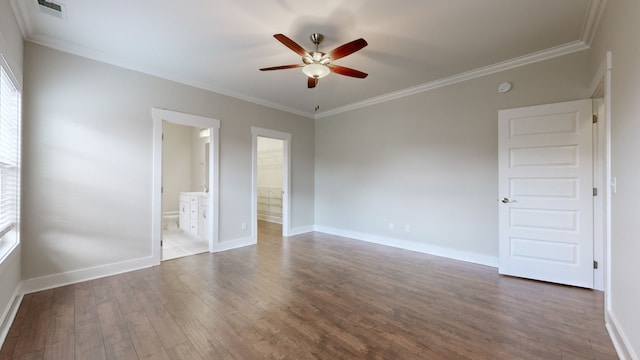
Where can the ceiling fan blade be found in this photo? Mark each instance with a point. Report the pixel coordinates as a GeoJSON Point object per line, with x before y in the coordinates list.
{"type": "Point", "coordinates": [347, 49]}
{"type": "Point", "coordinates": [291, 44]}
{"type": "Point", "coordinates": [347, 71]}
{"type": "Point", "coordinates": [312, 82]}
{"type": "Point", "coordinates": [282, 67]}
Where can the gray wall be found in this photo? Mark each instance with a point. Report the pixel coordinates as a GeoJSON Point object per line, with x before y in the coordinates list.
{"type": "Point", "coordinates": [618, 32]}
{"type": "Point", "coordinates": [12, 50]}
{"type": "Point", "coordinates": [88, 160]}
{"type": "Point", "coordinates": [430, 160]}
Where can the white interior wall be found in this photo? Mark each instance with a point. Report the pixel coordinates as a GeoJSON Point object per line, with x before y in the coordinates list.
{"type": "Point", "coordinates": [89, 161]}
{"type": "Point", "coordinates": [428, 163]}
{"type": "Point", "coordinates": [617, 33]}
{"type": "Point", "coordinates": [176, 164]}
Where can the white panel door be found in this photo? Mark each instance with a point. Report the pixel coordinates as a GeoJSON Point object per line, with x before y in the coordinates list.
{"type": "Point", "coordinates": [546, 193]}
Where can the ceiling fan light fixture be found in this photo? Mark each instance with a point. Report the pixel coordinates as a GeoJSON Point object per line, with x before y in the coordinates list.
{"type": "Point", "coordinates": [316, 70]}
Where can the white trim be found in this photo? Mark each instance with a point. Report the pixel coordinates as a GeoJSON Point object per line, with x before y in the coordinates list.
{"type": "Point", "coordinates": [76, 276]}
{"type": "Point", "coordinates": [592, 20]}
{"type": "Point", "coordinates": [617, 335]}
{"type": "Point", "coordinates": [9, 314]}
{"type": "Point", "coordinates": [5, 59]}
{"type": "Point", "coordinates": [160, 115]}
{"type": "Point", "coordinates": [149, 70]}
{"type": "Point", "coordinates": [619, 339]}
{"type": "Point", "coordinates": [469, 75]}
{"type": "Point", "coordinates": [594, 13]}
{"type": "Point", "coordinates": [301, 230]}
{"type": "Point", "coordinates": [472, 74]}
{"type": "Point", "coordinates": [460, 255]}
{"type": "Point", "coordinates": [286, 178]}
{"type": "Point", "coordinates": [21, 14]}
{"type": "Point", "coordinates": [607, 174]}
{"type": "Point", "coordinates": [601, 84]}
{"type": "Point", "coordinates": [599, 202]}
{"type": "Point", "coordinates": [602, 159]}
{"type": "Point", "coordinates": [8, 254]}
{"type": "Point", "coordinates": [234, 244]}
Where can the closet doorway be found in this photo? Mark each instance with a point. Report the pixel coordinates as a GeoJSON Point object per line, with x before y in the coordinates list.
{"type": "Point", "coordinates": [270, 181]}
{"type": "Point", "coordinates": [269, 172]}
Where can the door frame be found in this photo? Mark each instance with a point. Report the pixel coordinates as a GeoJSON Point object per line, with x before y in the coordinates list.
{"type": "Point", "coordinates": [601, 88]}
{"type": "Point", "coordinates": [160, 115]}
{"type": "Point", "coordinates": [286, 174]}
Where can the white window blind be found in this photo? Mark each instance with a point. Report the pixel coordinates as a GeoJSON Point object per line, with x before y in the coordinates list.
{"type": "Point", "coordinates": [9, 163]}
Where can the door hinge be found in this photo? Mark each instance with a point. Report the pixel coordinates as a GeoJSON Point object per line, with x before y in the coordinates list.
{"type": "Point", "coordinates": [595, 264]}
{"type": "Point", "coordinates": [594, 118]}
{"type": "Point", "coordinates": [595, 191]}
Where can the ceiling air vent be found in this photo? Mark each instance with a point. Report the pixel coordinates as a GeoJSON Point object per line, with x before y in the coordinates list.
{"type": "Point", "coordinates": [52, 8]}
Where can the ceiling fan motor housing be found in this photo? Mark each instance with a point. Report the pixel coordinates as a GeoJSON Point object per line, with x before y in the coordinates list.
{"type": "Point", "coordinates": [316, 38]}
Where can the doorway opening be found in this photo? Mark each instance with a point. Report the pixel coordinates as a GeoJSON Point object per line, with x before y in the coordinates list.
{"type": "Point", "coordinates": [185, 190]}
{"type": "Point", "coordinates": [269, 168]}
{"type": "Point", "coordinates": [271, 181]}
{"type": "Point", "coordinates": [185, 184]}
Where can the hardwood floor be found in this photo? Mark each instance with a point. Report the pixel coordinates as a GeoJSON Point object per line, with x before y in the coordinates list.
{"type": "Point", "coordinates": [312, 296]}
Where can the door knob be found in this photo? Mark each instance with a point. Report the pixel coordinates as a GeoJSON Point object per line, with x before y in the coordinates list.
{"type": "Point", "coordinates": [505, 200]}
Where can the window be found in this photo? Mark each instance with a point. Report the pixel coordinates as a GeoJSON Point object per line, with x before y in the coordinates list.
{"type": "Point", "coordinates": [9, 164]}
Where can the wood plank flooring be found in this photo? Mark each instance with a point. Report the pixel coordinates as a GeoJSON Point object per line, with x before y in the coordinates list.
{"type": "Point", "coordinates": [312, 296]}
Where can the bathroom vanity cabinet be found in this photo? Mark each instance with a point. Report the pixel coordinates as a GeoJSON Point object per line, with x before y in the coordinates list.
{"type": "Point", "coordinates": [194, 214]}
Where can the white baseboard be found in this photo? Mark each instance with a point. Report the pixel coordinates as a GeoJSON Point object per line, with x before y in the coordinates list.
{"type": "Point", "coordinates": [9, 314]}
{"type": "Point", "coordinates": [233, 244]}
{"type": "Point", "coordinates": [414, 246]}
{"type": "Point", "coordinates": [76, 276]}
{"type": "Point", "coordinates": [301, 230]}
{"type": "Point", "coordinates": [619, 339]}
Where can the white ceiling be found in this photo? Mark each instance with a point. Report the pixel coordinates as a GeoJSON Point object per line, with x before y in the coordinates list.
{"type": "Point", "coordinates": [219, 45]}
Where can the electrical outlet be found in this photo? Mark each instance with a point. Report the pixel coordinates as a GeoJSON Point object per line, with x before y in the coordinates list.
{"type": "Point", "coordinates": [407, 228]}
{"type": "Point", "coordinates": [390, 226]}
{"type": "Point", "coordinates": [244, 226]}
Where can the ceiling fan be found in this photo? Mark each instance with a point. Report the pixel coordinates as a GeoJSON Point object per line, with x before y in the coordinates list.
{"type": "Point", "coordinates": [316, 64]}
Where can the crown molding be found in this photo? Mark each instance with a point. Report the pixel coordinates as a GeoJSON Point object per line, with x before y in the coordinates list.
{"type": "Point", "coordinates": [469, 75]}
{"type": "Point", "coordinates": [592, 20]}
{"type": "Point", "coordinates": [21, 15]}
{"type": "Point", "coordinates": [146, 69]}
{"type": "Point", "coordinates": [149, 70]}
